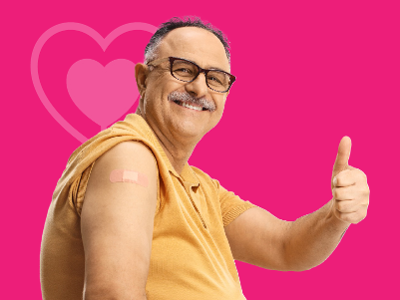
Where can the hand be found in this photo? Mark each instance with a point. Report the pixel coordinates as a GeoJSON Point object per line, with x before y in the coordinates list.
{"type": "Point", "coordinates": [350, 190]}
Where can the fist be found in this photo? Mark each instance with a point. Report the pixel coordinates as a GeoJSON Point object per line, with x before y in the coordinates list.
{"type": "Point", "coordinates": [350, 191]}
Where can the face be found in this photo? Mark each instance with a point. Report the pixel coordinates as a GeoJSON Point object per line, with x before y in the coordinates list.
{"type": "Point", "coordinates": [171, 118]}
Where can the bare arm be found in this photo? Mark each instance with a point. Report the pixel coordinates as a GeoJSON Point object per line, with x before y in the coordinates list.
{"type": "Point", "coordinates": [117, 225]}
{"type": "Point", "coordinates": [259, 238]}
{"type": "Point", "coordinates": [313, 237]}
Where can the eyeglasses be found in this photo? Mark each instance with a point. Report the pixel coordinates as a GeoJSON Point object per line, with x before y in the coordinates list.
{"type": "Point", "coordinates": [187, 71]}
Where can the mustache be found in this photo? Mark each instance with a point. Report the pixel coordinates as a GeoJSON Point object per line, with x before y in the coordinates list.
{"type": "Point", "coordinates": [186, 97]}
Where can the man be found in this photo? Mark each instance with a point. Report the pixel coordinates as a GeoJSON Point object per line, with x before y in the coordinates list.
{"type": "Point", "coordinates": [130, 219]}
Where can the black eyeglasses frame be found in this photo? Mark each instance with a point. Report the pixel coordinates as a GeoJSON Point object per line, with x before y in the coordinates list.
{"type": "Point", "coordinates": [171, 60]}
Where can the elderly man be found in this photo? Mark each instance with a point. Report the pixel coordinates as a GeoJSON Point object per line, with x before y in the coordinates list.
{"type": "Point", "coordinates": [130, 219]}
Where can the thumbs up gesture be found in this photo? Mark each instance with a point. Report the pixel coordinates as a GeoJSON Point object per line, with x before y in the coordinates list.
{"type": "Point", "coordinates": [350, 190]}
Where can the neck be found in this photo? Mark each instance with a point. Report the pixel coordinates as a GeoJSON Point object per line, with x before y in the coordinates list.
{"type": "Point", "coordinates": [177, 154]}
{"type": "Point", "coordinates": [178, 151]}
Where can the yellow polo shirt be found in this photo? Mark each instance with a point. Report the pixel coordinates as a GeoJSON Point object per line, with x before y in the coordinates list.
{"type": "Point", "coordinates": [190, 255]}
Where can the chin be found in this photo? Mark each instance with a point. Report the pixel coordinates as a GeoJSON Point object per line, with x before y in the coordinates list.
{"type": "Point", "coordinates": [190, 130]}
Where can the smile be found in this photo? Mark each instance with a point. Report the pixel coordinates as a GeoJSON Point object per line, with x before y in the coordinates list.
{"type": "Point", "coordinates": [190, 106]}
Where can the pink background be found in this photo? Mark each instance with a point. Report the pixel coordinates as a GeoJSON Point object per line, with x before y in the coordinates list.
{"type": "Point", "coordinates": [308, 73]}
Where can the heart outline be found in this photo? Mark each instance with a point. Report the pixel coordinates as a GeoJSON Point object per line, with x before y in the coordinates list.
{"type": "Point", "coordinates": [103, 42]}
{"type": "Point", "coordinates": [110, 110]}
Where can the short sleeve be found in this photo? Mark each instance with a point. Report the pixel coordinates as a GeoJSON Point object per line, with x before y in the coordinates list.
{"type": "Point", "coordinates": [79, 187]}
{"type": "Point", "coordinates": [232, 205]}
{"type": "Point", "coordinates": [80, 190]}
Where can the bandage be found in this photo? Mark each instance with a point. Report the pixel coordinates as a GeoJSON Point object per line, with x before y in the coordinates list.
{"type": "Point", "coordinates": [129, 176]}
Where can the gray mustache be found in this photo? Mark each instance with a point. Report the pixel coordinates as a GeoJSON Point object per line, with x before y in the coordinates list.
{"type": "Point", "coordinates": [186, 97]}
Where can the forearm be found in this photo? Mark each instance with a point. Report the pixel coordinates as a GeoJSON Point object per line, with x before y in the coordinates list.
{"type": "Point", "coordinates": [312, 238]}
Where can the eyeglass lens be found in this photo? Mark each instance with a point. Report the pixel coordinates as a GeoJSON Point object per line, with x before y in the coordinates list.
{"type": "Point", "coordinates": [186, 71]}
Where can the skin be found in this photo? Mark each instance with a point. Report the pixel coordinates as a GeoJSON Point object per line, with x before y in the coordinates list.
{"type": "Point", "coordinates": [256, 236]}
{"type": "Point", "coordinates": [179, 129]}
{"type": "Point", "coordinates": [308, 241]}
{"type": "Point", "coordinates": [111, 214]}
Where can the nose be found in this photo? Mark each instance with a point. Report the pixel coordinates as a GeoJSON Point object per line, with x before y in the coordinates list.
{"type": "Point", "coordinates": [198, 87]}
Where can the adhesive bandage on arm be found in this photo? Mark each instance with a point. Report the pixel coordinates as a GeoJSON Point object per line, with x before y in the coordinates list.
{"type": "Point", "coordinates": [129, 176]}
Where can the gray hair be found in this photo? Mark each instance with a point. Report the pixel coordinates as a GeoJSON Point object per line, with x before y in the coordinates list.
{"type": "Point", "coordinates": [176, 22]}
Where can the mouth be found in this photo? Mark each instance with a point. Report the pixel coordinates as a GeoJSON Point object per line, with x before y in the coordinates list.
{"type": "Point", "coordinates": [190, 106]}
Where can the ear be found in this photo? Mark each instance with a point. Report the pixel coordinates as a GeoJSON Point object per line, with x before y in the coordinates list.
{"type": "Point", "coordinates": [141, 72]}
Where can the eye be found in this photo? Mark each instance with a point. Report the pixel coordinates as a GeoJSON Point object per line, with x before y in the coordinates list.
{"type": "Point", "coordinates": [213, 78]}
{"type": "Point", "coordinates": [184, 70]}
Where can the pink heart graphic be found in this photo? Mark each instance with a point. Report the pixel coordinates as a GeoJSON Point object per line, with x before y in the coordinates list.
{"type": "Point", "coordinates": [77, 92]}
{"type": "Point", "coordinates": [102, 93]}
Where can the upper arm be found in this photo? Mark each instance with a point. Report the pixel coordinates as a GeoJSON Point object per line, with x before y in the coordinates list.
{"type": "Point", "coordinates": [258, 237]}
{"type": "Point", "coordinates": [117, 223]}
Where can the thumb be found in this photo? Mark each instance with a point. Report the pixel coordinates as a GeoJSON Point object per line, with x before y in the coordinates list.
{"type": "Point", "coordinates": [343, 155]}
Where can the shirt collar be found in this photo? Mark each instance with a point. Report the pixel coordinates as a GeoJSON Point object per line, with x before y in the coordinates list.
{"type": "Point", "coordinates": [187, 175]}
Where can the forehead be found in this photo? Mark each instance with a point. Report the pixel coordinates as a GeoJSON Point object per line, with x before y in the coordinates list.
{"type": "Point", "coordinates": [197, 45]}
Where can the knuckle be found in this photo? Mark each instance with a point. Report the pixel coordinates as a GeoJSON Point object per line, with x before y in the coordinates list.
{"type": "Point", "coordinates": [365, 206]}
{"type": "Point", "coordinates": [360, 217]}
{"type": "Point", "coordinates": [341, 207]}
{"type": "Point", "coordinates": [340, 194]}
{"type": "Point", "coordinates": [364, 176]}
{"type": "Point", "coordinates": [339, 179]}
{"type": "Point", "coordinates": [367, 190]}
{"type": "Point", "coordinates": [335, 193]}
{"type": "Point", "coordinates": [346, 217]}
{"type": "Point", "coordinates": [363, 191]}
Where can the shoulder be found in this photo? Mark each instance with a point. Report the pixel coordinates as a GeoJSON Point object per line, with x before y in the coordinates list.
{"type": "Point", "coordinates": [129, 156]}
{"type": "Point", "coordinates": [128, 153]}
